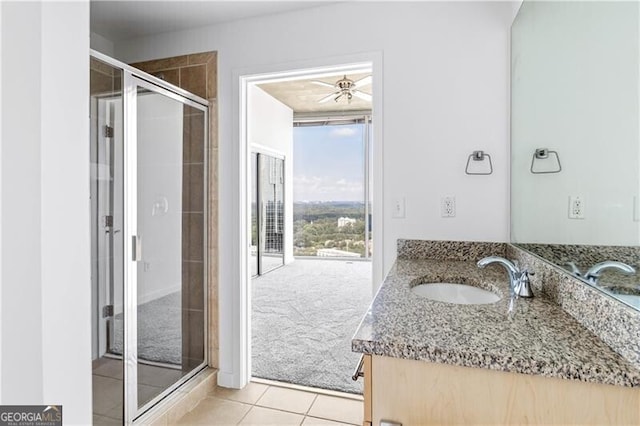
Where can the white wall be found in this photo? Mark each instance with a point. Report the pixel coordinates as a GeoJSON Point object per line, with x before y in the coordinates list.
{"type": "Point", "coordinates": [445, 93]}
{"type": "Point", "coordinates": [102, 44]}
{"type": "Point", "coordinates": [21, 205]}
{"type": "Point", "coordinates": [575, 90]}
{"type": "Point", "coordinates": [159, 180]}
{"type": "Point", "coordinates": [1, 51]}
{"type": "Point", "coordinates": [270, 125]}
{"type": "Point", "coordinates": [45, 277]}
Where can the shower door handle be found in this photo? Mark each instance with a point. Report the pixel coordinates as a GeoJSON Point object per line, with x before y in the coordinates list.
{"type": "Point", "coordinates": [136, 248]}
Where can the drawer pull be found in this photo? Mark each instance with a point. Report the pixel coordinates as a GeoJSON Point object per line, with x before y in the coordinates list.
{"type": "Point", "coordinates": [358, 372]}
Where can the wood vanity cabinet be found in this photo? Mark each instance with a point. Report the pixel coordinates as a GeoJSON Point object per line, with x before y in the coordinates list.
{"type": "Point", "coordinates": [423, 393]}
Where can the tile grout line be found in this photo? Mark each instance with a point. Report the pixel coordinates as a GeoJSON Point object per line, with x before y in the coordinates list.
{"type": "Point", "coordinates": [253, 405]}
{"type": "Point", "coordinates": [305, 415]}
{"type": "Point", "coordinates": [261, 395]}
{"type": "Point", "coordinates": [311, 405]}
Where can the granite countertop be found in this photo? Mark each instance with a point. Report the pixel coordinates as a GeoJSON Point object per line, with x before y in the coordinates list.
{"type": "Point", "coordinates": [540, 339]}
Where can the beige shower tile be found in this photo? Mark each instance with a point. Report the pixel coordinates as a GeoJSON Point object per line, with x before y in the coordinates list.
{"type": "Point", "coordinates": [194, 80]}
{"type": "Point", "coordinates": [193, 188]}
{"type": "Point", "coordinates": [169, 75]}
{"type": "Point", "coordinates": [162, 64]}
{"type": "Point", "coordinates": [212, 76]}
{"type": "Point", "coordinates": [200, 58]}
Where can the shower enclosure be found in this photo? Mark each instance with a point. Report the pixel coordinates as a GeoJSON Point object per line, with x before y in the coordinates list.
{"type": "Point", "coordinates": [148, 219]}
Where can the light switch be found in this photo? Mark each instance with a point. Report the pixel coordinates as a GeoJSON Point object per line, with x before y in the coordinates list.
{"type": "Point", "coordinates": [398, 208]}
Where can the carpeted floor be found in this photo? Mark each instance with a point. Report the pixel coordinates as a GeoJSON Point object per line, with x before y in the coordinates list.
{"type": "Point", "coordinates": [159, 330]}
{"type": "Point", "coordinates": [303, 317]}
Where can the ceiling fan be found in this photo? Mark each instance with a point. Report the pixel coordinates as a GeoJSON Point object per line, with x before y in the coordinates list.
{"type": "Point", "coordinates": [345, 89]}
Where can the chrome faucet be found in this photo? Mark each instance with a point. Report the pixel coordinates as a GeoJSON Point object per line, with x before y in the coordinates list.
{"type": "Point", "coordinates": [519, 285]}
{"type": "Point", "coordinates": [574, 269]}
{"type": "Point", "coordinates": [593, 274]}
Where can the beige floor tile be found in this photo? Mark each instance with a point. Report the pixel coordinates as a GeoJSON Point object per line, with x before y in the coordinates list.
{"type": "Point", "coordinates": [147, 393]}
{"type": "Point", "coordinates": [158, 376]}
{"type": "Point", "coordinates": [287, 399]}
{"type": "Point", "coordinates": [313, 421]}
{"type": "Point", "coordinates": [105, 421]}
{"type": "Point", "coordinates": [267, 416]}
{"type": "Point", "coordinates": [249, 394]}
{"type": "Point", "coordinates": [338, 409]}
{"type": "Point", "coordinates": [215, 411]}
{"type": "Point", "coordinates": [108, 393]}
{"type": "Point", "coordinates": [116, 412]}
{"type": "Point", "coordinates": [108, 367]}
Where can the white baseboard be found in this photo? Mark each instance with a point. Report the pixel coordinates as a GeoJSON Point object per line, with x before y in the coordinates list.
{"type": "Point", "coordinates": [227, 380]}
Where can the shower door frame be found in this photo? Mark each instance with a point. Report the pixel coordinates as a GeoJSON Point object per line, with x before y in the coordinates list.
{"type": "Point", "coordinates": [133, 78]}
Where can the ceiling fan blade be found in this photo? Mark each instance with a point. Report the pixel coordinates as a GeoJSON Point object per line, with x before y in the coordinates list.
{"type": "Point", "coordinates": [328, 97]}
{"type": "Point", "coordinates": [322, 83]}
{"type": "Point", "coordinates": [363, 81]}
{"type": "Point", "coordinates": [362, 95]}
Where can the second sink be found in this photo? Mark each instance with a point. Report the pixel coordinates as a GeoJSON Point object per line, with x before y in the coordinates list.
{"type": "Point", "coordinates": [460, 294]}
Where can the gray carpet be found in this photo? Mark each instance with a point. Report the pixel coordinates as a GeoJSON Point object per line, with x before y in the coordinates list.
{"type": "Point", "coordinates": [304, 315]}
{"type": "Point", "coordinates": [159, 330]}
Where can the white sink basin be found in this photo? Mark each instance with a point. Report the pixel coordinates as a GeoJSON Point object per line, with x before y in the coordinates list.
{"type": "Point", "coordinates": [460, 294]}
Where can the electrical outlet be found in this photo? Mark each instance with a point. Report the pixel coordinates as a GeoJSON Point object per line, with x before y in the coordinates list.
{"type": "Point", "coordinates": [398, 208]}
{"type": "Point", "coordinates": [448, 206]}
{"type": "Point", "coordinates": [576, 207]}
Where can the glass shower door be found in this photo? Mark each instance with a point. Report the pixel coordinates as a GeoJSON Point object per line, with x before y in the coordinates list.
{"type": "Point", "coordinates": [107, 214]}
{"type": "Point", "coordinates": [148, 239]}
{"type": "Point", "coordinates": [166, 296]}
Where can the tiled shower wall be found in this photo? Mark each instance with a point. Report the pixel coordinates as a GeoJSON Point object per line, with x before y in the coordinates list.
{"type": "Point", "coordinates": [196, 73]}
{"type": "Point", "coordinates": [103, 79]}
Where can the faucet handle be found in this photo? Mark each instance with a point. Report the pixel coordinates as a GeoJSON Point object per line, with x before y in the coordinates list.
{"type": "Point", "coordinates": [524, 287]}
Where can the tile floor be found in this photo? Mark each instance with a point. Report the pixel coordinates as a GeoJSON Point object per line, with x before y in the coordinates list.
{"type": "Point", "coordinates": [108, 387]}
{"type": "Point", "coordinates": [261, 404]}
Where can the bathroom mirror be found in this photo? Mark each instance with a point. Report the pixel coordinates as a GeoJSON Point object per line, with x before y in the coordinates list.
{"type": "Point", "coordinates": [575, 140]}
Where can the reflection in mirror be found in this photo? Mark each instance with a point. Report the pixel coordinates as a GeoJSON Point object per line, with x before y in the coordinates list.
{"type": "Point", "coordinates": [575, 92]}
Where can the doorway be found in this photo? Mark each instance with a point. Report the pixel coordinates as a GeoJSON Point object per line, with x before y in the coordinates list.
{"type": "Point", "coordinates": [148, 204]}
{"type": "Point", "coordinates": [305, 312]}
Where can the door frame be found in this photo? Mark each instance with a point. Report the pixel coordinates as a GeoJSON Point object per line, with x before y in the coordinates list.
{"type": "Point", "coordinates": [133, 244]}
{"type": "Point", "coordinates": [235, 301]}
